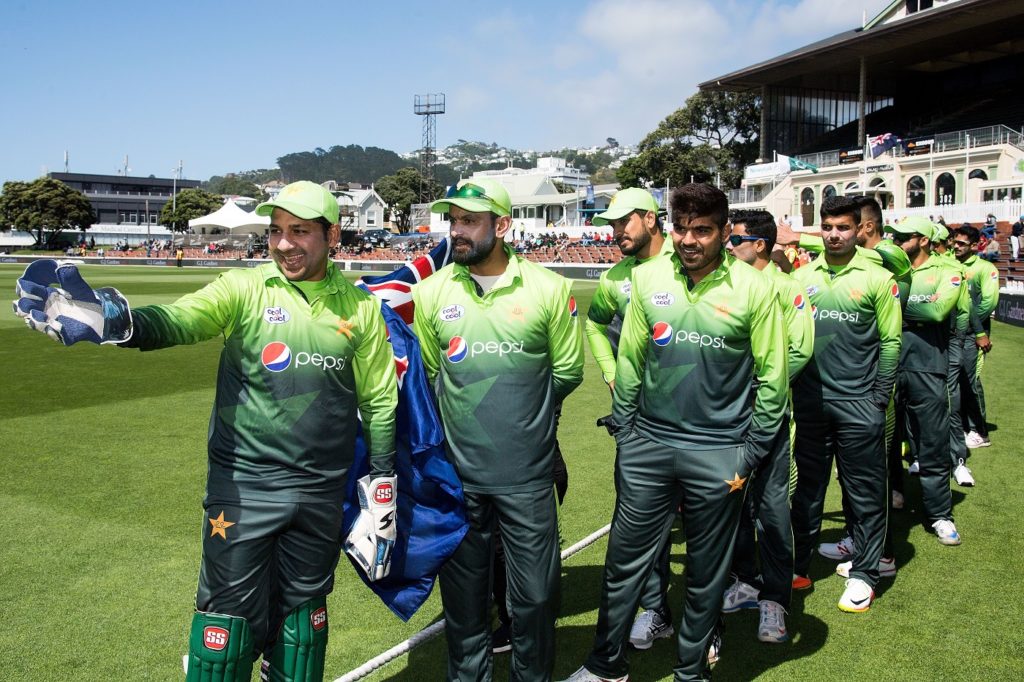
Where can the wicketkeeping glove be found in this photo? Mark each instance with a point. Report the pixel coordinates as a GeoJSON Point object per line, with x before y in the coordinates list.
{"type": "Point", "coordinates": [53, 298]}
{"type": "Point", "coordinates": [372, 537]}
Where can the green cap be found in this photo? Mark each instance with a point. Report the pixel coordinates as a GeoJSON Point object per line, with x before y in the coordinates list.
{"type": "Point", "coordinates": [303, 199]}
{"type": "Point", "coordinates": [476, 195]}
{"type": "Point", "coordinates": [915, 224]}
{"type": "Point", "coordinates": [941, 233]}
{"type": "Point", "coordinates": [624, 202]}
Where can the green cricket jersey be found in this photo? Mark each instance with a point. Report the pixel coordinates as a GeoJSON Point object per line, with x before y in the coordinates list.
{"type": "Point", "coordinates": [702, 369]}
{"type": "Point", "coordinates": [857, 329]}
{"type": "Point", "coordinates": [886, 253]}
{"type": "Point", "coordinates": [937, 291]}
{"type": "Point", "coordinates": [298, 360]}
{"type": "Point", "coordinates": [796, 314]}
{"type": "Point", "coordinates": [500, 361]}
{"type": "Point", "coordinates": [610, 301]}
{"type": "Point", "coordinates": [983, 278]}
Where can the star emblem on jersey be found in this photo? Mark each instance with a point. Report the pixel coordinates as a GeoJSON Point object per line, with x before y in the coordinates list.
{"type": "Point", "coordinates": [723, 310]}
{"type": "Point", "coordinates": [220, 526]}
{"type": "Point", "coordinates": [856, 294]}
{"type": "Point", "coordinates": [736, 483]}
{"type": "Point", "coordinates": [345, 327]}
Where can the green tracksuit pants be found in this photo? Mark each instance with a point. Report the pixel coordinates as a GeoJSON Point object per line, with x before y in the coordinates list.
{"type": "Point", "coordinates": [261, 560]}
{"type": "Point", "coordinates": [765, 529]}
{"type": "Point", "coordinates": [957, 446]}
{"type": "Point", "coordinates": [972, 394]}
{"type": "Point", "coordinates": [651, 478]}
{"type": "Point", "coordinates": [852, 432]}
{"type": "Point", "coordinates": [528, 524]}
{"type": "Point", "coordinates": [925, 404]}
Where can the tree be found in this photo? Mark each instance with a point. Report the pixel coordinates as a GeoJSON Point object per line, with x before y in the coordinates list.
{"type": "Point", "coordinates": [45, 207]}
{"type": "Point", "coordinates": [711, 137]}
{"type": "Point", "coordinates": [233, 185]}
{"type": "Point", "coordinates": [190, 204]}
{"type": "Point", "coordinates": [400, 191]}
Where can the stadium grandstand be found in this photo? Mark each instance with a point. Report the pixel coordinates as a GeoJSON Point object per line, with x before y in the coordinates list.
{"type": "Point", "coordinates": [920, 108]}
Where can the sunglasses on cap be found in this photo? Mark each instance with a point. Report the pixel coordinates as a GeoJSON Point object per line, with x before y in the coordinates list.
{"type": "Point", "coordinates": [467, 191]}
{"type": "Point", "coordinates": [737, 239]}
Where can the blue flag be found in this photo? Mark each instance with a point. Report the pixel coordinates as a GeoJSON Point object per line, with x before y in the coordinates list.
{"type": "Point", "coordinates": [880, 144]}
{"type": "Point", "coordinates": [431, 508]}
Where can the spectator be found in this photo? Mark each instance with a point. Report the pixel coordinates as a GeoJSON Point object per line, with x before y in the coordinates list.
{"type": "Point", "coordinates": [989, 229]}
{"type": "Point", "coordinates": [1016, 232]}
{"type": "Point", "coordinates": [991, 251]}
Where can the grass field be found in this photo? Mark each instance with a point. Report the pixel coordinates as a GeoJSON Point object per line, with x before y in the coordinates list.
{"type": "Point", "coordinates": [103, 467]}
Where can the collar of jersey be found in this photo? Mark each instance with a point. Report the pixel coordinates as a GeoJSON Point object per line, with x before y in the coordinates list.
{"type": "Point", "coordinates": [270, 271]}
{"type": "Point", "coordinates": [718, 273]}
{"type": "Point", "coordinates": [856, 263]}
{"type": "Point", "coordinates": [970, 260]}
{"type": "Point", "coordinates": [511, 274]}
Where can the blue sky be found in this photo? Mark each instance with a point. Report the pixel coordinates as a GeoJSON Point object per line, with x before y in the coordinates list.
{"type": "Point", "coordinates": [228, 86]}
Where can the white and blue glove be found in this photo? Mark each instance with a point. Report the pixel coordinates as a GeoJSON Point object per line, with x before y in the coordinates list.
{"type": "Point", "coordinates": [372, 538]}
{"type": "Point", "coordinates": [53, 298]}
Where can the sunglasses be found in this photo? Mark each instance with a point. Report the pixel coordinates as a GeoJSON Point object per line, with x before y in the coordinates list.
{"type": "Point", "coordinates": [467, 191]}
{"type": "Point", "coordinates": [900, 237]}
{"type": "Point", "coordinates": [962, 243]}
{"type": "Point", "coordinates": [737, 239]}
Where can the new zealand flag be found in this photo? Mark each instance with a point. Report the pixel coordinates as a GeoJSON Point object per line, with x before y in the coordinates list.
{"type": "Point", "coordinates": [395, 288]}
{"type": "Point", "coordinates": [880, 144]}
{"type": "Point", "coordinates": [431, 508]}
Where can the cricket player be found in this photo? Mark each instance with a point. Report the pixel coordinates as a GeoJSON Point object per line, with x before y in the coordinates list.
{"type": "Point", "coordinates": [305, 356]}
{"type": "Point", "coordinates": [766, 506]}
{"type": "Point", "coordinates": [501, 340]}
{"type": "Point", "coordinates": [983, 279]}
{"type": "Point", "coordinates": [840, 399]}
{"type": "Point", "coordinates": [922, 396]}
{"type": "Point", "coordinates": [637, 229]}
{"type": "Point", "coordinates": [700, 392]}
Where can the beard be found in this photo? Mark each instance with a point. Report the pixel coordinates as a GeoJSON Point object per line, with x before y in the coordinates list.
{"type": "Point", "coordinates": [472, 252]}
{"type": "Point", "coordinates": [635, 245]}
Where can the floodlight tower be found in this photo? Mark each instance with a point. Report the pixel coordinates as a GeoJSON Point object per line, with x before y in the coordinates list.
{"type": "Point", "coordinates": [428, 106]}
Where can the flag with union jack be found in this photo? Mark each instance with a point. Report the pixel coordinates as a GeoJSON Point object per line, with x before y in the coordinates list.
{"type": "Point", "coordinates": [880, 144]}
{"type": "Point", "coordinates": [395, 288]}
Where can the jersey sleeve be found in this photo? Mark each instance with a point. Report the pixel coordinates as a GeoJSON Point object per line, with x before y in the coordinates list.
{"type": "Point", "coordinates": [889, 319]}
{"type": "Point", "coordinates": [198, 316]}
{"type": "Point", "coordinates": [629, 365]}
{"type": "Point", "coordinates": [799, 327]}
{"type": "Point", "coordinates": [812, 243]}
{"type": "Point", "coordinates": [602, 311]}
{"type": "Point", "coordinates": [422, 324]}
{"type": "Point", "coordinates": [771, 377]}
{"type": "Point", "coordinates": [989, 287]}
{"type": "Point", "coordinates": [565, 344]}
{"type": "Point", "coordinates": [373, 367]}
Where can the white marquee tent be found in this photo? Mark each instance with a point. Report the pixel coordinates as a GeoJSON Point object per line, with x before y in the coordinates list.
{"type": "Point", "coordinates": [232, 219]}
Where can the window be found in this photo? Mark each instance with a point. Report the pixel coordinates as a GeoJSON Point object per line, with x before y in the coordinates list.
{"type": "Point", "coordinates": [915, 192]}
{"type": "Point", "coordinates": [828, 192]}
{"type": "Point", "coordinates": [152, 218]}
{"type": "Point", "coordinates": [133, 218]}
{"type": "Point", "coordinates": [371, 216]}
{"type": "Point", "coordinates": [531, 211]}
{"type": "Point", "coordinates": [945, 189]}
{"type": "Point", "coordinates": [123, 217]}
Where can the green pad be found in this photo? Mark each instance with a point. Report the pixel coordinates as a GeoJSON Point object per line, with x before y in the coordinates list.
{"type": "Point", "coordinates": [219, 649]}
{"type": "Point", "coordinates": [298, 654]}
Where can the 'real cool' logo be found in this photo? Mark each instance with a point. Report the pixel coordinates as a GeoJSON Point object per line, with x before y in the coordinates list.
{"type": "Point", "coordinates": [277, 357]}
{"type": "Point", "coordinates": [276, 315]}
{"type": "Point", "coordinates": [458, 349]}
{"type": "Point", "coordinates": [799, 302]}
{"type": "Point", "coordinates": [662, 299]}
{"type": "Point", "coordinates": [661, 334]}
{"type": "Point", "coordinates": [626, 287]}
{"type": "Point", "coordinates": [451, 313]}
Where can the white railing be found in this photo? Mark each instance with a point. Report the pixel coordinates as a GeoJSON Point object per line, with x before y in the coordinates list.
{"type": "Point", "coordinates": [954, 214]}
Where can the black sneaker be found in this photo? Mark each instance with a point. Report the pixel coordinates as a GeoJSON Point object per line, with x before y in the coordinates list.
{"type": "Point", "coordinates": [501, 641]}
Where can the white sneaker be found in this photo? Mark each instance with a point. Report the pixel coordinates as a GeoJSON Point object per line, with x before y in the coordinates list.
{"type": "Point", "coordinates": [772, 627]}
{"type": "Point", "coordinates": [648, 627]}
{"type": "Point", "coordinates": [857, 597]}
{"type": "Point", "coordinates": [976, 440]}
{"type": "Point", "coordinates": [962, 475]}
{"type": "Point", "coordinates": [837, 551]}
{"type": "Point", "coordinates": [945, 531]}
{"type": "Point", "coordinates": [914, 469]}
{"type": "Point", "coordinates": [738, 596]}
{"type": "Point", "coordinates": [714, 647]}
{"type": "Point", "coordinates": [584, 675]}
{"type": "Point", "coordinates": [897, 500]}
{"type": "Point", "coordinates": [886, 568]}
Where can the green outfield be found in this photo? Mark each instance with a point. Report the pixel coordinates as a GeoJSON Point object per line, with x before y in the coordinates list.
{"type": "Point", "coordinates": [103, 466]}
